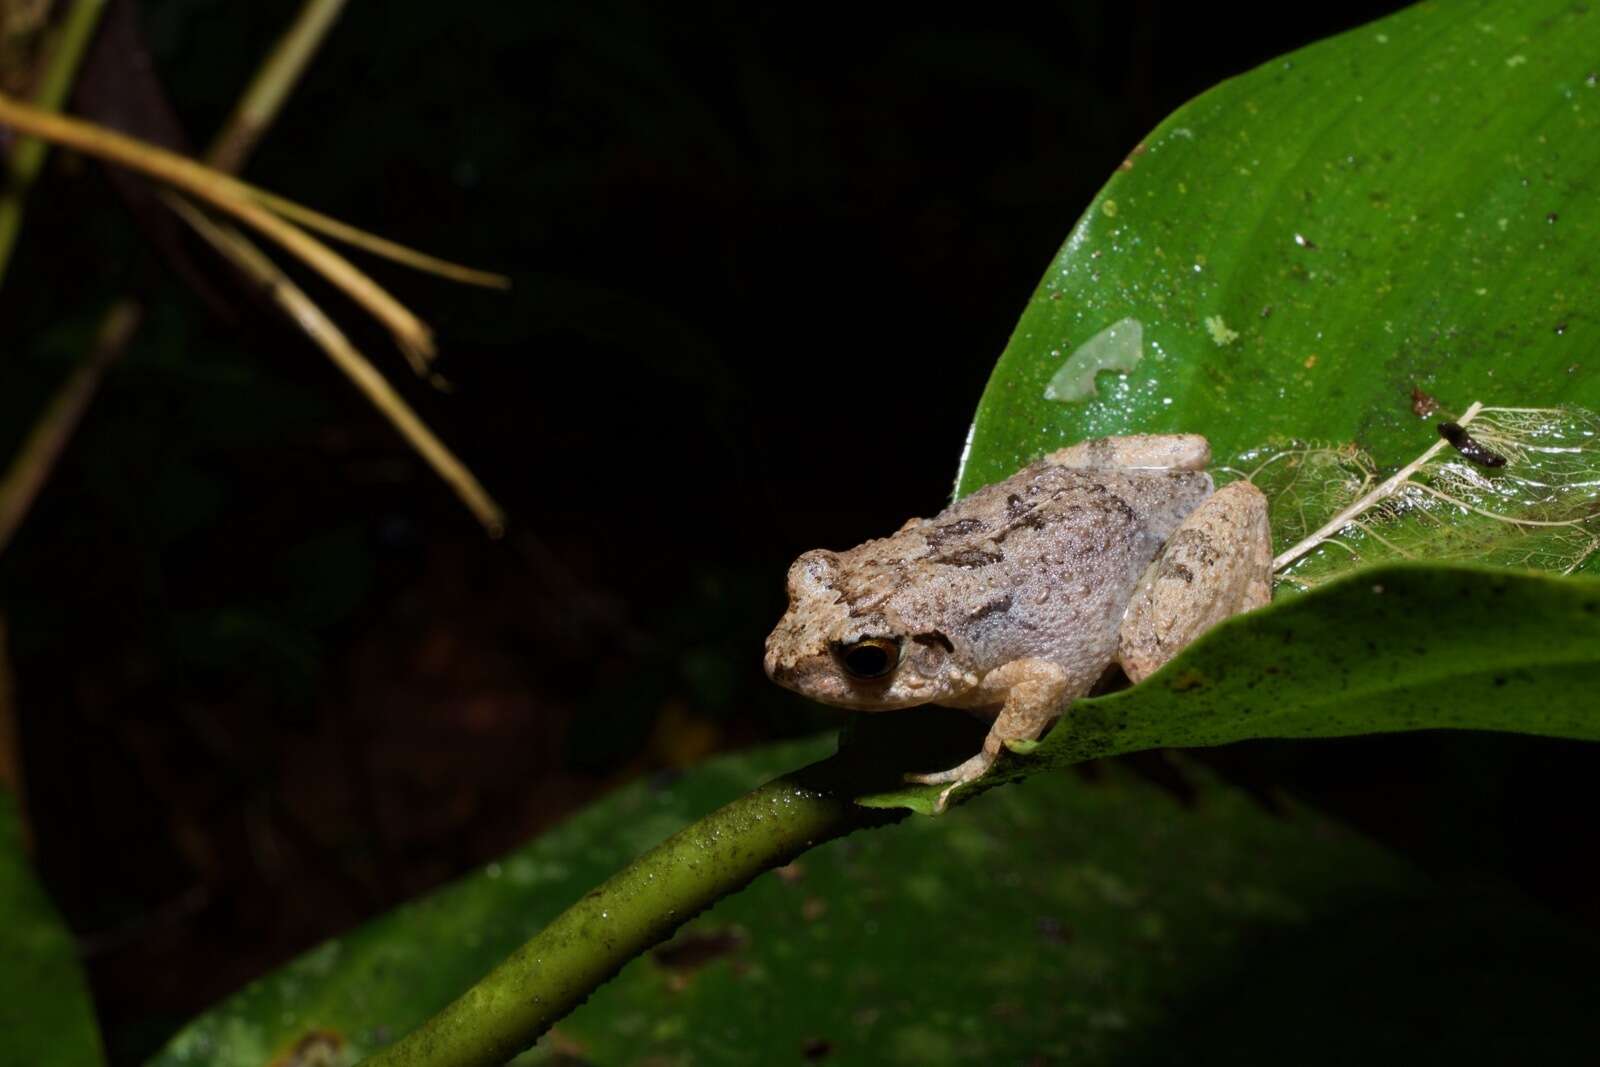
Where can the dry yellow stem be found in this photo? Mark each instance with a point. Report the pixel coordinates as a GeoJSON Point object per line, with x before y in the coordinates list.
{"type": "Point", "coordinates": [49, 434]}
{"type": "Point", "coordinates": [256, 209]}
{"type": "Point", "coordinates": [310, 318]}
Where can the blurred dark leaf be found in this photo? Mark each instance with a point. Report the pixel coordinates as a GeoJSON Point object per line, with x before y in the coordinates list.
{"type": "Point", "coordinates": [1091, 923]}
{"type": "Point", "coordinates": [45, 1013]}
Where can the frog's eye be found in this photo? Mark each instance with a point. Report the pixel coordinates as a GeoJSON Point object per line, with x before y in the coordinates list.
{"type": "Point", "coordinates": [869, 658]}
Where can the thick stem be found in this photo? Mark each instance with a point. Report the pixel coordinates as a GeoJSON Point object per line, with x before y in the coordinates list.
{"type": "Point", "coordinates": [638, 907]}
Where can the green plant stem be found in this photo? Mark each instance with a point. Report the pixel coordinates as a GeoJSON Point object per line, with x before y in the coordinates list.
{"type": "Point", "coordinates": [28, 154]}
{"type": "Point", "coordinates": [636, 908]}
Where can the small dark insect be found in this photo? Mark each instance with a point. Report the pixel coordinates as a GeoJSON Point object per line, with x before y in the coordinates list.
{"type": "Point", "coordinates": [1422, 404]}
{"type": "Point", "coordinates": [1464, 443]}
{"type": "Point", "coordinates": [690, 952]}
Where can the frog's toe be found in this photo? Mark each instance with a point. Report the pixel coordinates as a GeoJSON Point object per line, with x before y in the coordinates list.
{"type": "Point", "coordinates": [955, 777]}
{"type": "Point", "coordinates": [966, 772]}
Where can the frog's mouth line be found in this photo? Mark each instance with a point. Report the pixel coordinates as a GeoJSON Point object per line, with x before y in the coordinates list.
{"type": "Point", "coordinates": [875, 695]}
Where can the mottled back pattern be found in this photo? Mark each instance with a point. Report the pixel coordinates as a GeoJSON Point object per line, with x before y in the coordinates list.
{"type": "Point", "coordinates": [1041, 564]}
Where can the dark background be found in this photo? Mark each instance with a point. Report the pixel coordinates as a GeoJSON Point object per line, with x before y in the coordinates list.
{"type": "Point", "coordinates": [272, 679]}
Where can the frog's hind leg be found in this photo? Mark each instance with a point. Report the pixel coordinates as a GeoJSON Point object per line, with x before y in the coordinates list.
{"type": "Point", "coordinates": [1217, 564]}
{"type": "Point", "coordinates": [1176, 451]}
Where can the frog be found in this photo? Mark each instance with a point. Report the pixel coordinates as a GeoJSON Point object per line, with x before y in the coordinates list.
{"type": "Point", "coordinates": [1018, 599]}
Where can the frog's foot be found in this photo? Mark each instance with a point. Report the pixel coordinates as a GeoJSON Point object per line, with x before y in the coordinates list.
{"type": "Point", "coordinates": [1033, 692]}
{"type": "Point", "coordinates": [969, 771]}
{"type": "Point", "coordinates": [961, 774]}
{"type": "Point", "coordinates": [1217, 564]}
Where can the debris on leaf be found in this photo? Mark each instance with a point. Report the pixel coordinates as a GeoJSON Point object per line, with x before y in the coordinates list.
{"type": "Point", "coordinates": [1468, 446]}
{"type": "Point", "coordinates": [1423, 405]}
{"type": "Point", "coordinates": [1333, 510]}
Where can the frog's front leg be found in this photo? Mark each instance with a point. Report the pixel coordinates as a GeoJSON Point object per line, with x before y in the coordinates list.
{"type": "Point", "coordinates": [1033, 692]}
{"type": "Point", "coordinates": [1217, 564]}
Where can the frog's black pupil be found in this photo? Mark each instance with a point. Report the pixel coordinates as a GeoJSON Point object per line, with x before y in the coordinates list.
{"type": "Point", "coordinates": [868, 661]}
{"type": "Point", "coordinates": [869, 658]}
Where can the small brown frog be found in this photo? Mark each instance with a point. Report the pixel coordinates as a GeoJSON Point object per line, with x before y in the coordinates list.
{"type": "Point", "coordinates": [1012, 602]}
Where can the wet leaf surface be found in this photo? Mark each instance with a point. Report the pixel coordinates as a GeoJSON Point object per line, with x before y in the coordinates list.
{"type": "Point", "coordinates": [1408, 206]}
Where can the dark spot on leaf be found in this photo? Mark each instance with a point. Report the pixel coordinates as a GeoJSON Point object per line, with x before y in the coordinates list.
{"type": "Point", "coordinates": [689, 952]}
{"type": "Point", "coordinates": [1499, 680]}
{"type": "Point", "coordinates": [1423, 405]}
{"type": "Point", "coordinates": [315, 1049]}
{"type": "Point", "coordinates": [1054, 930]}
{"type": "Point", "coordinates": [815, 1049]}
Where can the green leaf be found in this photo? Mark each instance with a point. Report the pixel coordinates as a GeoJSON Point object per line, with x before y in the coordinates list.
{"type": "Point", "coordinates": [1413, 203]}
{"type": "Point", "coordinates": [1070, 921]}
{"type": "Point", "coordinates": [45, 1013]}
{"type": "Point", "coordinates": [1391, 648]}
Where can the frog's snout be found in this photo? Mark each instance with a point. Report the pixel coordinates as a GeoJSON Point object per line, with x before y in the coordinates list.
{"type": "Point", "coordinates": [775, 670]}
{"type": "Point", "coordinates": [780, 668]}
